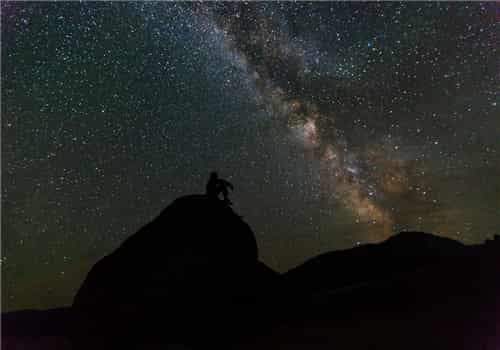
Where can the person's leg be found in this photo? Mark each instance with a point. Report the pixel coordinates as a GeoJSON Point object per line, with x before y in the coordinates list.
{"type": "Point", "coordinates": [225, 194]}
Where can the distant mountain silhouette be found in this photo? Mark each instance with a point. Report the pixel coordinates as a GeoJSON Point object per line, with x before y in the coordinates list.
{"type": "Point", "coordinates": [192, 277]}
{"type": "Point", "coordinates": [403, 253]}
{"type": "Point", "coordinates": [412, 291]}
{"type": "Point", "coordinates": [36, 329]}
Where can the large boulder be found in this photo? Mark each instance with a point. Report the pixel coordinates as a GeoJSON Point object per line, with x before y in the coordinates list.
{"type": "Point", "coordinates": [190, 276]}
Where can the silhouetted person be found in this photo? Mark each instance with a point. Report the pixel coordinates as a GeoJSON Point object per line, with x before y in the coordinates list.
{"type": "Point", "coordinates": [216, 186]}
{"type": "Point", "coordinates": [211, 188]}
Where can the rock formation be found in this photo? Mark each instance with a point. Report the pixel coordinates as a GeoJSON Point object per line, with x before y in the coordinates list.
{"type": "Point", "coordinates": [190, 276]}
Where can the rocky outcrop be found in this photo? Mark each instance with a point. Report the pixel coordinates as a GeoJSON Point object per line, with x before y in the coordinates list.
{"type": "Point", "coordinates": [190, 276]}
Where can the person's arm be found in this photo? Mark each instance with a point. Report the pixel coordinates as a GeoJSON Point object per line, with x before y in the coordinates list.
{"type": "Point", "coordinates": [228, 184]}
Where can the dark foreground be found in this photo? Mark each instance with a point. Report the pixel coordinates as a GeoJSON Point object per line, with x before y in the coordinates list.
{"type": "Point", "coordinates": [191, 279]}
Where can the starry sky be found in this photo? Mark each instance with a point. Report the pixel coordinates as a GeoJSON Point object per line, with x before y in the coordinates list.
{"type": "Point", "coordinates": [338, 124]}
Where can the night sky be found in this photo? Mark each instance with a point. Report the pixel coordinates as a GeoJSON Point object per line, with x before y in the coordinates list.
{"type": "Point", "coordinates": [338, 124]}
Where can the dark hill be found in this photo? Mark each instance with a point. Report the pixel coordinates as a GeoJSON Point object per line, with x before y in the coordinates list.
{"type": "Point", "coordinates": [192, 277]}
{"type": "Point", "coordinates": [36, 329]}
{"type": "Point", "coordinates": [195, 261]}
{"type": "Point", "coordinates": [401, 254]}
{"type": "Point", "coordinates": [413, 291]}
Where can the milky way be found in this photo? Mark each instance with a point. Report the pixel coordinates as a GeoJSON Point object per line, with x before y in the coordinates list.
{"type": "Point", "coordinates": [338, 123]}
{"type": "Point", "coordinates": [279, 69]}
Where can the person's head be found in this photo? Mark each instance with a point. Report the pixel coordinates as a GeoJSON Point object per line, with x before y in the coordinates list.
{"type": "Point", "coordinates": [213, 175]}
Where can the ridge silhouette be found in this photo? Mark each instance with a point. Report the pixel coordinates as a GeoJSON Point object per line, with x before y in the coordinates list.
{"type": "Point", "coordinates": [192, 277]}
